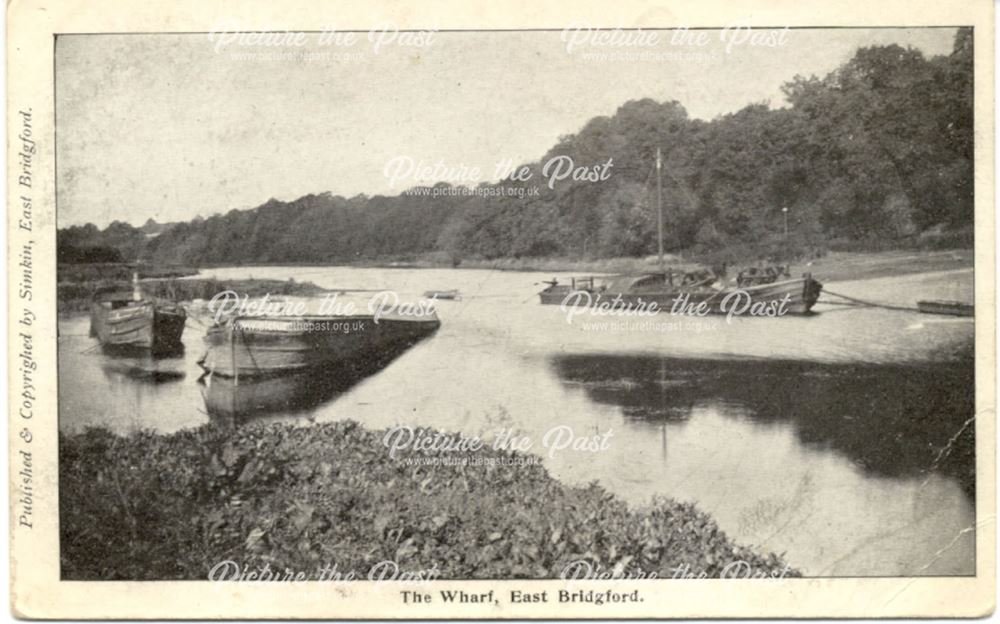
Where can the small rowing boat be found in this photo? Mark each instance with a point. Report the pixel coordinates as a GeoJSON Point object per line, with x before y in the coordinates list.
{"type": "Point", "coordinates": [953, 308]}
{"type": "Point", "coordinates": [448, 295]}
{"type": "Point", "coordinates": [125, 320]}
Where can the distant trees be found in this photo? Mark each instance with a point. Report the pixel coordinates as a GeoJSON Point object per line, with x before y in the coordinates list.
{"type": "Point", "coordinates": [891, 140]}
{"type": "Point", "coordinates": [87, 255]}
{"type": "Point", "coordinates": [878, 152]}
{"type": "Point", "coordinates": [119, 242]}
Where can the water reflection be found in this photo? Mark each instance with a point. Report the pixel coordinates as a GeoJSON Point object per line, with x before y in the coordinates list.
{"type": "Point", "coordinates": [889, 420]}
{"type": "Point", "coordinates": [234, 402]}
{"type": "Point", "coordinates": [839, 459]}
{"type": "Point", "coordinates": [141, 353]}
{"type": "Point", "coordinates": [142, 367]}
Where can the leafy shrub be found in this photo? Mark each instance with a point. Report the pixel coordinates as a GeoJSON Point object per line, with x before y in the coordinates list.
{"type": "Point", "coordinates": [171, 507]}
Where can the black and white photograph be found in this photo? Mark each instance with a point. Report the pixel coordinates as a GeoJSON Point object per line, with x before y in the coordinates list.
{"type": "Point", "coordinates": [604, 305]}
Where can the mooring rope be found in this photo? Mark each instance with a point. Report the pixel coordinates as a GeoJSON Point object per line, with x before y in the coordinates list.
{"type": "Point", "coordinates": [871, 304]}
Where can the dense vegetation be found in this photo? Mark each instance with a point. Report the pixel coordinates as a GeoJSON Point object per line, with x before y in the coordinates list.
{"type": "Point", "coordinates": [75, 296]}
{"type": "Point", "coordinates": [877, 154]}
{"type": "Point", "coordinates": [171, 507]}
{"type": "Point", "coordinates": [119, 242]}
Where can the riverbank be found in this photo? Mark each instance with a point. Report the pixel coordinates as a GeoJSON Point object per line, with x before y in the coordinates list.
{"type": "Point", "coordinates": [119, 271]}
{"type": "Point", "coordinates": [76, 287]}
{"type": "Point", "coordinates": [832, 266]}
{"type": "Point", "coordinates": [174, 506]}
{"type": "Point", "coordinates": [76, 296]}
{"type": "Point", "coordinates": [849, 266]}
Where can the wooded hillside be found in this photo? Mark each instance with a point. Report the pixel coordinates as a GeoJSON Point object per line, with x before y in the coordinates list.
{"type": "Point", "coordinates": [877, 154]}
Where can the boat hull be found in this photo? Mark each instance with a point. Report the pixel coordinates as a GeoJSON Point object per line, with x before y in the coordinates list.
{"type": "Point", "coordinates": [794, 296]}
{"type": "Point", "coordinates": [443, 295]}
{"type": "Point", "coordinates": [278, 346]}
{"type": "Point", "coordinates": [143, 325]}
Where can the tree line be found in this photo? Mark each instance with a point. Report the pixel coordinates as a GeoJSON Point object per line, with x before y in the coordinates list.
{"type": "Point", "coordinates": [876, 154]}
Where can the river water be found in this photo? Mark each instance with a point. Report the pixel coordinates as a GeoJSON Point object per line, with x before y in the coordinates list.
{"type": "Point", "coordinates": [840, 440]}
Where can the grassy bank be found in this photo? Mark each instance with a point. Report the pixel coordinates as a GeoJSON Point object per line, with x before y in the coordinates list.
{"type": "Point", "coordinates": [833, 266]}
{"type": "Point", "coordinates": [844, 266]}
{"type": "Point", "coordinates": [171, 507]}
{"type": "Point", "coordinates": [829, 266]}
{"type": "Point", "coordinates": [76, 296]}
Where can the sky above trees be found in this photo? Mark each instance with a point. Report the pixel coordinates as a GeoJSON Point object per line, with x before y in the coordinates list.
{"type": "Point", "coordinates": [173, 126]}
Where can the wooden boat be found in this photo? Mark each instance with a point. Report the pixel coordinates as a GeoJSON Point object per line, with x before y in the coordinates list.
{"type": "Point", "coordinates": [452, 295]}
{"type": "Point", "coordinates": [755, 292]}
{"type": "Point", "coordinates": [683, 293]}
{"type": "Point", "coordinates": [260, 346]}
{"type": "Point", "coordinates": [124, 320]}
{"type": "Point", "coordinates": [953, 308]}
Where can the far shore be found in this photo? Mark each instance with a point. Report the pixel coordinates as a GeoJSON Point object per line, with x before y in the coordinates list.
{"type": "Point", "coordinates": [74, 296]}
{"type": "Point", "coordinates": [834, 266]}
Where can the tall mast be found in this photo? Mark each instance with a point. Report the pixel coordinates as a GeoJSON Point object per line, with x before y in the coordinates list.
{"type": "Point", "coordinates": [659, 209]}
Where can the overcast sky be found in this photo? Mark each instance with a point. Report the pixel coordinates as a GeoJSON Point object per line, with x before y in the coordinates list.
{"type": "Point", "coordinates": [173, 126]}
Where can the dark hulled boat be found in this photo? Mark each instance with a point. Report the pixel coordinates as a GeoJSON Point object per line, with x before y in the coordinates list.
{"type": "Point", "coordinates": [767, 292]}
{"type": "Point", "coordinates": [684, 292]}
{"type": "Point", "coordinates": [124, 320]}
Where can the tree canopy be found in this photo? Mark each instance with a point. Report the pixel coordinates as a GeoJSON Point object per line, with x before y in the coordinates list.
{"type": "Point", "coordinates": [879, 151]}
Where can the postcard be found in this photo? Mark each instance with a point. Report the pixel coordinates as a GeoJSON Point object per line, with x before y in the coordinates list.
{"type": "Point", "coordinates": [580, 310]}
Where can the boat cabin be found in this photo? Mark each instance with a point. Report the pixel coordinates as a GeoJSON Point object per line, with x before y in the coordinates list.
{"type": "Point", "coordinates": [113, 298]}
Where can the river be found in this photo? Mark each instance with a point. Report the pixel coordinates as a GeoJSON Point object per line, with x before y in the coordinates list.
{"type": "Point", "coordinates": [839, 440]}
